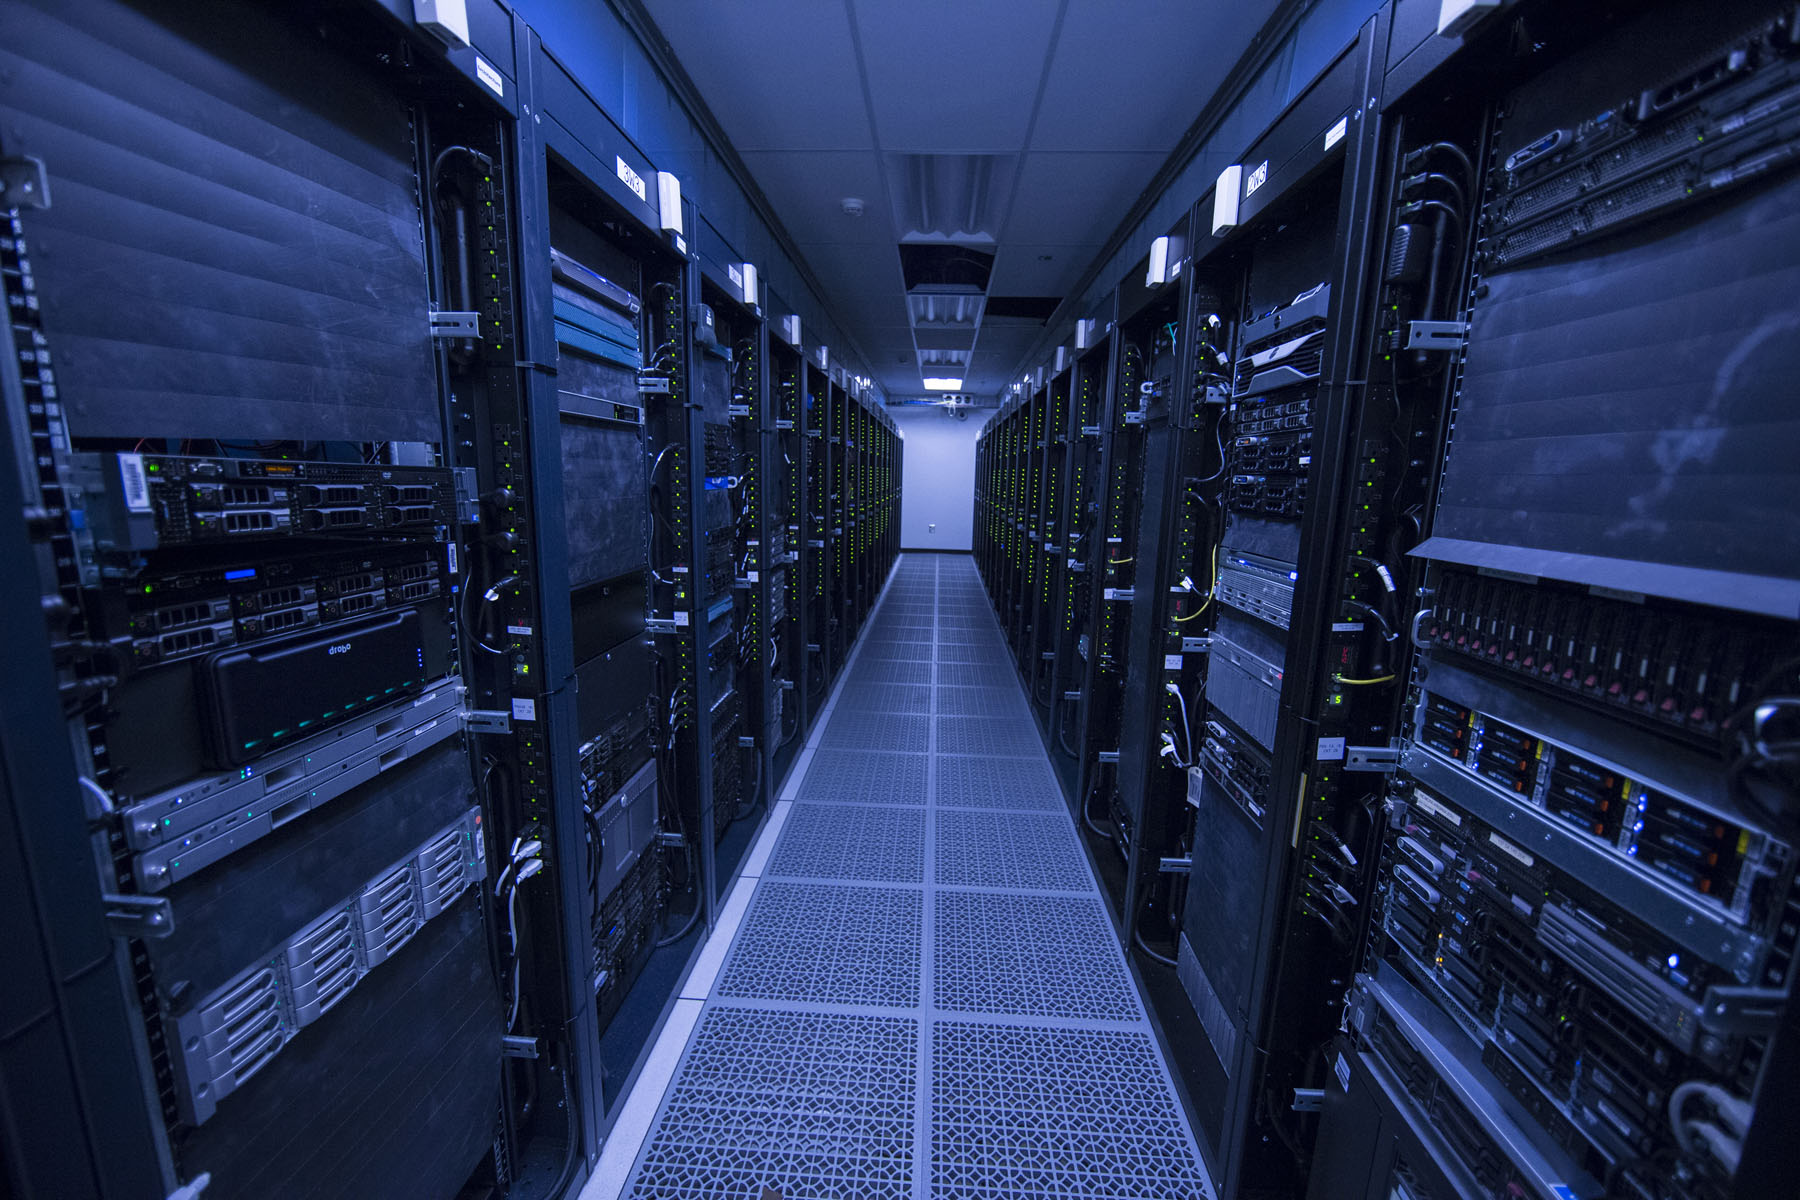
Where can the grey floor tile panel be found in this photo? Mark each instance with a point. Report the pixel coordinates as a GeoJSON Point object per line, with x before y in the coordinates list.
{"type": "Point", "coordinates": [979, 701]}
{"type": "Point", "coordinates": [924, 997]}
{"type": "Point", "coordinates": [828, 943]}
{"type": "Point", "coordinates": [893, 651]}
{"type": "Point", "coordinates": [975, 781]}
{"type": "Point", "coordinates": [992, 654]}
{"type": "Point", "coordinates": [1041, 956]}
{"type": "Point", "coordinates": [971, 674]}
{"type": "Point", "coordinates": [1014, 737]}
{"type": "Point", "coordinates": [863, 777]}
{"type": "Point", "coordinates": [993, 849]}
{"type": "Point", "coordinates": [877, 731]}
{"type": "Point", "coordinates": [852, 841]}
{"type": "Point", "coordinates": [810, 1104]}
{"type": "Point", "coordinates": [892, 672]}
{"type": "Point", "coordinates": [886, 697]}
{"type": "Point", "coordinates": [1018, 1111]}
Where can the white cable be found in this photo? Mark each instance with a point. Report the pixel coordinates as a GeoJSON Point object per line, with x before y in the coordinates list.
{"type": "Point", "coordinates": [98, 793]}
{"type": "Point", "coordinates": [1725, 1148]}
{"type": "Point", "coordinates": [1186, 729]}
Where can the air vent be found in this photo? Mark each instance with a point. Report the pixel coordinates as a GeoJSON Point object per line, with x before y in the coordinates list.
{"type": "Point", "coordinates": [1037, 309]}
{"type": "Point", "coordinates": [321, 965]}
{"type": "Point", "coordinates": [945, 268]}
{"type": "Point", "coordinates": [958, 197]}
{"type": "Point", "coordinates": [388, 912]}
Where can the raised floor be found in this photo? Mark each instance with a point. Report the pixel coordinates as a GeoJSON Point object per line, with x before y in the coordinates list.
{"type": "Point", "coordinates": [914, 990]}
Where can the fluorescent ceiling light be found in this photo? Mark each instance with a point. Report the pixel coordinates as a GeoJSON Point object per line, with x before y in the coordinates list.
{"type": "Point", "coordinates": [939, 384]}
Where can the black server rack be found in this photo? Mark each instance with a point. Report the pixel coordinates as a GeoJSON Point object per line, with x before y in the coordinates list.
{"type": "Point", "coordinates": [255, 535]}
{"type": "Point", "coordinates": [1578, 976]}
{"type": "Point", "coordinates": [786, 559]}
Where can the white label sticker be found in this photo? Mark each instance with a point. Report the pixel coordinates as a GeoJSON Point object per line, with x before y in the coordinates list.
{"type": "Point", "coordinates": [1331, 749]}
{"type": "Point", "coordinates": [1336, 133]}
{"type": "Point", "coordinates": [1506, 847]}
{"type": "Point", "coordinates": [1435, 809]}
{"type": "Point", "coordinates": [519, 630]}
{"type": "Point", "coordinates": [737, 277]}
{"type": "Point", "coordinates": [524, 709]}
{"type": "Point", "coordinates": [1342, 1070]}
{"type": "Point", "coordinates": [1387, 577]}
{"type": "Point", "coordinates": [491, 78]}
{"type": "Point", "coordinates": [451, 548]}
{"type": "Point", "coordinates": [755, 576]}
{"type": "Point", "coordinates": [1346, 626]}
{"type": "Point", "coordinates": [1256, 178]}
{"type": "Point", "coordinates": [633, 180]}
{"type": "Point", "coordinates": [431, 724]}
{"type": "Point", "coordinates": [137, 488]}
{"type": "Point", "coordinates": [1172, 662]}
{"type": "Point", "coordinates": [681, 617]}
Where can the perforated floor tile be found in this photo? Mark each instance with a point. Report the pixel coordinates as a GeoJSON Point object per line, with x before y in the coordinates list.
{"type": "Point", "coordinates": [1023, 1112]}
{"type": "Point", "coordinates": [810, 1104]}
{"type": "Point", "coordinates": [877, 671]}
{"type": "Point", "coordinates": [925, 907]}
{"type": "Point", "coordinates": [979, 701]}
{"type": "Point", "coordinates": [852, 841]}
{"type": "Point", "coordinates": [877, 731]}
{"type": "Point", "coordinates": [828, 943]}
{"type": "Point", "coordinates": [972, 675]}
{"type": "Point", "coordinates": [985, 653]}
{"type": "Point", "coordinates": [965, 781]}
{"type": "Point", "coordinates": [1044, 956]}
{"type": "Point", "coordinates": [1007, 850]}
{"type": "Point", "coordinates": [1005, 736]}
{"type": "Point", "coordinates": [885, 697]}
{"type": "Point", "coordinates": [864, 777]}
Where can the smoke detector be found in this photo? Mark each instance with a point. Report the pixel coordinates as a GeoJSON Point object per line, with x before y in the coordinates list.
{"type": "Point", "coordinates": [853, 206]}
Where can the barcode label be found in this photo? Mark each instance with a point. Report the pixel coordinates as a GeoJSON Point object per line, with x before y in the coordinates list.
{"type": "Point", "coordinates": [137, 488]}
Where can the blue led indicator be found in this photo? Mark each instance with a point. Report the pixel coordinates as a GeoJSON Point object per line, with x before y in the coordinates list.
{"type": "Point", "coordinates": [240, 573]}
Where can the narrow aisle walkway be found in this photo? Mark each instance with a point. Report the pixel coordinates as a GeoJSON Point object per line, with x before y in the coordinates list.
{"type": "Point", "coordinates": [924, 997]}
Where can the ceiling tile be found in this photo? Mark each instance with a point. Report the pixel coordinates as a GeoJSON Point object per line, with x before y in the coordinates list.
{"type": "Point", "coordinates": [1138, 84]}
{"type": "Point", "coordinates": [1020, 269]}
{"type": "Point", "coordinates": [948, 76]}
{"type": "Point", "coordinates": [727, 50]}
{"type": "Point", "coordinates": [808, 189]}
{"type": "Point", "coordinates": [1076, 197]}
{"type": "Point", "coordinates": [862, 282]}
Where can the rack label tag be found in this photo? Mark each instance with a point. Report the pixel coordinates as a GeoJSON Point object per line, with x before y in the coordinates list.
{"type": "Point", "coordinates": [490, 78]}
{"type": "Point", "coordinates": [524, 709]}
{"type": "Point", "coordinates": [632, 179]}
{"type": "Point", "coordinates": [1336, 133]}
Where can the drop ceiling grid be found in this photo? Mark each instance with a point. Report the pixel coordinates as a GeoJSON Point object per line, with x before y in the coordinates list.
{"type": "Point", "coordinates": [1027, 1067]}
{"type": "Point", "coordinates": [1086, 98]}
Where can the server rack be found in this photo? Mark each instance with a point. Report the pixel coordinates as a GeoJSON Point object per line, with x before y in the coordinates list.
{"type": "Point", "coordinates": [1577, 979]}
{"type": "Point", "coordinates": [789, 588]}
{"type": "Point", "coordinates": [256, 608]}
